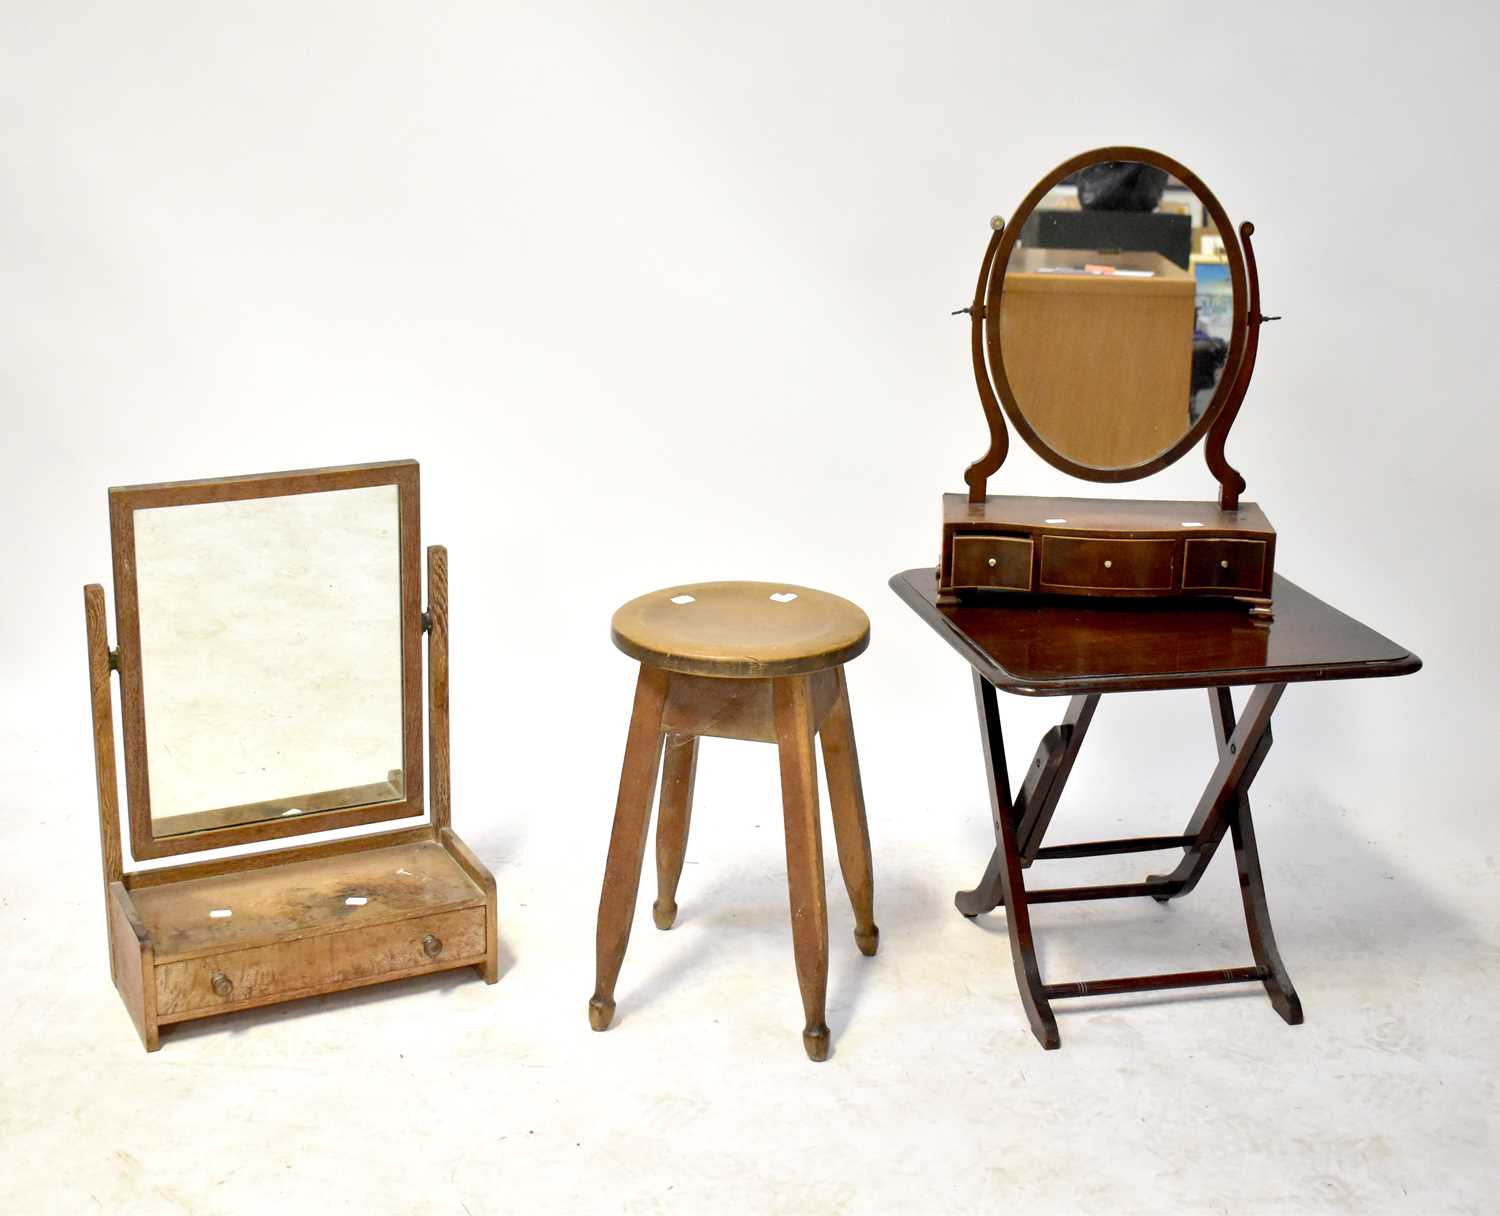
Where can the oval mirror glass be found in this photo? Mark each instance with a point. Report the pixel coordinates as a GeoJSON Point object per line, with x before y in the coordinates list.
{"type": "Point", "coordinates": [1116, 312]}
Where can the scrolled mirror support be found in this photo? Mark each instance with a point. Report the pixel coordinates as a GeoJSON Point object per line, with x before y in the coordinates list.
{"type": "Point", "coordinates": [1231, 484]}
{"type": "Point", "coordinates": [977, 474]}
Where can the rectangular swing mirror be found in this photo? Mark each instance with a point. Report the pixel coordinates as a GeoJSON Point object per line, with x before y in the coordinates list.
{"type": "Point", "coordinates": [270, 633]}
{"type": "Point", "coordinates": [271, 639]}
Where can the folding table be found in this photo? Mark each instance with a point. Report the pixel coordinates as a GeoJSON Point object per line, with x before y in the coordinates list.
{"type": "Point", "coordinates": [1084, 649]}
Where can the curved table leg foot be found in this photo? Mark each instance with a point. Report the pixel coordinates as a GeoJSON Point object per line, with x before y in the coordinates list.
{"type": "Point", "coordinates": [1286, 1002]}
{"type": "Point", "coordinates": [1278, 983]}
{"type": "Point", "coordinates": [1044, 1026]}
{"type": "Point", "coordinates": [986, 895]}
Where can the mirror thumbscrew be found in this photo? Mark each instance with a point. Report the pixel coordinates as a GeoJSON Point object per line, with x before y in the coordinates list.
{"type": "Point", "coordinates": [969, 308]}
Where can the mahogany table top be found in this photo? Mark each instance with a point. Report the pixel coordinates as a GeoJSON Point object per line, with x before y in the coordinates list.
{"type": "Point", "coordinates": [1063, 646]}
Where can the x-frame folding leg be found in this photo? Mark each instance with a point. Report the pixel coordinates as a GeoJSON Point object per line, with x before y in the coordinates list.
{"type": "Point", "coordinates": [1020, 825]}
{"type": "Point", "coordinates": [1234, 814]}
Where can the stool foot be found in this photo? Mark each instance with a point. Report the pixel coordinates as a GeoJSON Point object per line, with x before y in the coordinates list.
{"type": "Point", "coordinates": [869, 942]}
{"type": "Point", "coordinates": [815, 1043]}
{"type": "Point", "coordinates": [679, 769]}
{"type": "Point", "coordinates": [601, 1013]}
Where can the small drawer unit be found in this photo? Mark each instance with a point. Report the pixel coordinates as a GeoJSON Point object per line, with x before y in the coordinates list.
{"type": "Point", "coordinates": [217, 982]}
{"type": "Point", "coordinates": [1106, 548]}
{"type": "Point", "coordinates": [986, 560]}
{"type": "Point", "coordinates": [1083, 563]}
{"type": "Point", "coordinates": [210, 937]}
{"type": "Point", "coordinates": [1217, 564]}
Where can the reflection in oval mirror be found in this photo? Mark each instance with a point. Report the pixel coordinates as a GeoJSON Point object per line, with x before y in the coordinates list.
{"type": "Point", "coordinates": [1115, 314]}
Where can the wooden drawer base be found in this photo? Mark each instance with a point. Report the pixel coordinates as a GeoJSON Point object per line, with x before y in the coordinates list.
{"type": "Point", "coordinates": [213, 937]}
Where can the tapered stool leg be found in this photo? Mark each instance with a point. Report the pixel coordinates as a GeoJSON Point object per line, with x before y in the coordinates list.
{"type": "Point", "coordinates": [627, 843]}
{"type": "Point", "coordinates": [791, 700]}
{"type": "Point", "coordinates": [846, 797]}
{"type": "Point", "coordinates": [679, 769]}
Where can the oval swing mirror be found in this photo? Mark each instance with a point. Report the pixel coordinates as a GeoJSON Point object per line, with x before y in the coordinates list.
{"type": "Point", "coordinates": [1115, 315]}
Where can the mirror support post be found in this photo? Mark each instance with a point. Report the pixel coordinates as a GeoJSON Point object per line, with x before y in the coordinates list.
{"type": "Point", "coordinates": [436, 619]}
{"type": "Point", "coordinates": [1231, 484]}
{"type": "Point", "coordinates": [101, 699]}
{"type": "Point", "coordinates": [978, 473]}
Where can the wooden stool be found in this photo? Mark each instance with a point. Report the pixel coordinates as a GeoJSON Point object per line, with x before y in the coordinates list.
{"type": "Point", "coordinates": [759, 661]}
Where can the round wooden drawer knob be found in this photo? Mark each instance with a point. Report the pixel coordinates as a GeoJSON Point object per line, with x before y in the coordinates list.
{"type": "Point", "coordinates": [432, 945]}
{"type": "Point", "coordinates": [223, 986]}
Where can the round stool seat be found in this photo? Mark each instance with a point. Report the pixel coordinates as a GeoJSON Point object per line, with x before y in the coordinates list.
{"type": "Point", "coordinates": [741, 630]}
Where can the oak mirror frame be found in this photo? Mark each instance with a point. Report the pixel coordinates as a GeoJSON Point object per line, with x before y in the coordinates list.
{"type": "Point", "coordinates": [989, 353]}
{"type": "Point", "coordinates": [400, 794]}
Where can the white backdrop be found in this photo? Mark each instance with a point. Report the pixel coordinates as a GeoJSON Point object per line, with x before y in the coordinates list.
{"type": "Point", "coordinates": [660, 292]}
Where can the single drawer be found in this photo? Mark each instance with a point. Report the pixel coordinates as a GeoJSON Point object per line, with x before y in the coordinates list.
{"type": "Point", "coordinates": [318, 964]}
{"type": "Point", "coordinates": [992, 561]}
{"type": "Point", "coordinates": [1081, 563]}
{"type": "Point", "coordinates": [1211, 564]}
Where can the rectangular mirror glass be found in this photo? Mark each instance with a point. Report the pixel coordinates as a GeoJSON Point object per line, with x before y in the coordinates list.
{"type": "Point", "coordinates": [268, 653]}
{"type": "Point", "coordinates": [270, 656]}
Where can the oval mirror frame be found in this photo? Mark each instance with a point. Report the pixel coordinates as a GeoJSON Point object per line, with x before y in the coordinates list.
{"type": "Point", "coordinates": [989, 351]}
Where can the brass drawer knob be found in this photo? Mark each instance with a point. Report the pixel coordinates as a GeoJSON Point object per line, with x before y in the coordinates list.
{"type": "Point", "coordinates": [1223, 563]}
{"type": "Point", "coordinates": [1108, 565]}
{"type": "Point", "coordinates": [432, 945]}
{"type": "Point", "coordinates": [223, 986]}
{"type": "Point", "coordinates": [993, 563]}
